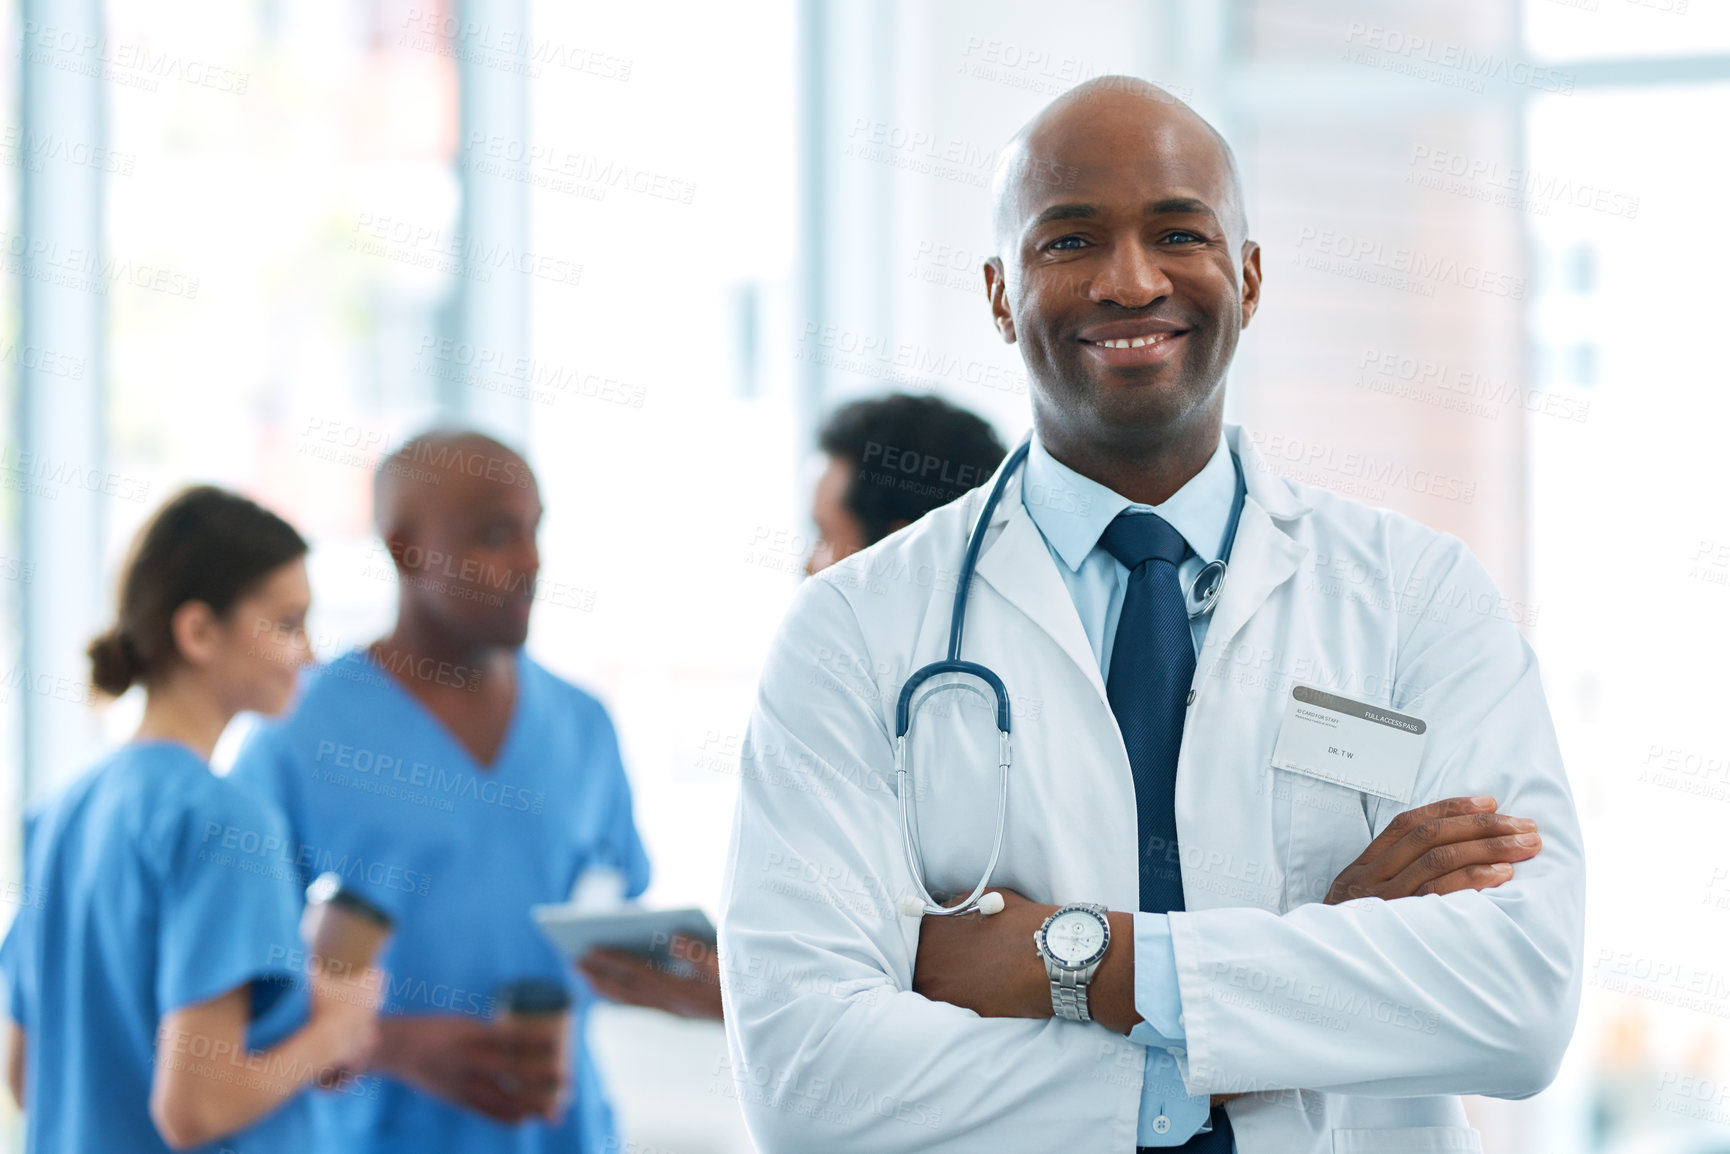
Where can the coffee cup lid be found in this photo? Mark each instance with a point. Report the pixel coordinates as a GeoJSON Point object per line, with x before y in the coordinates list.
{"type": "Point", "coordinates": [329, 888]}
{"type": "Point", "coordinates": [533, 996]}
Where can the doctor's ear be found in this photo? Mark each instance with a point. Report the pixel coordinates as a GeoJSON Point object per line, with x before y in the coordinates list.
{"type": "Point", "coordinates": [1251, 295]}
{"type": "Point", "coordinates": [997, 291]}
{"type": "Point", "coordinates": [197, 632]}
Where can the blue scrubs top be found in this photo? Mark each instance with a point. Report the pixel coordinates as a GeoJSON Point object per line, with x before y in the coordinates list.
{"type": "Point", "coordinates": [378, 790]}
{"type": "Point", "coordinates": [150, 886]}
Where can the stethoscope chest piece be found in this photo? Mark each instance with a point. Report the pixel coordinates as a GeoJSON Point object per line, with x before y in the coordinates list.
{"type": "Point", "coordinates": [1203, 592]}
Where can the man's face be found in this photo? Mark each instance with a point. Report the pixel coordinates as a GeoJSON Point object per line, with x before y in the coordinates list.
{"type": "Point", "coordinates": [470, 558]}
{"type": "Point", "coordinates": [839, 533]}
{"type": "Point", "coordinates": [1118, 276]}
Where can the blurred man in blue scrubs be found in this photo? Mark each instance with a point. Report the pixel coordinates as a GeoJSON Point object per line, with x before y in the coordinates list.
{"type": "Point", "coordinates": [457, 783]}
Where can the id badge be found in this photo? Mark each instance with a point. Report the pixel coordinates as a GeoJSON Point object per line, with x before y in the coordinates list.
{"type": "Point", "coordinates": [1351, 743]}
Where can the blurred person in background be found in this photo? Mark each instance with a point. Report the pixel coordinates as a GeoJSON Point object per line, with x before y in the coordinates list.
{"type": "Point", "coordinates": [147, 976]}
{"type": "Point", "coordinates": [462, 783]}
{"type": "Point", "coordinates": [889, 460]}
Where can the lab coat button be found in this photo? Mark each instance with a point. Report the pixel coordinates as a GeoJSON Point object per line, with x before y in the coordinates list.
{"type": "Point", "coordinates": [1161, 1124]}
{"type": "Point", "coordinates": [1190, 700]}
{"type": "Point", "coordinates": [1180, 1024]}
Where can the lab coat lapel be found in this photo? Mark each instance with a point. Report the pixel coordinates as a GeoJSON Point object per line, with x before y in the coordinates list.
{"type": "Point", "coordinates": [1019, 566]}
{"type": "Point", "coordinates": [1264, 555]}
{"type": "Point", "coordinates": [1263, 559]}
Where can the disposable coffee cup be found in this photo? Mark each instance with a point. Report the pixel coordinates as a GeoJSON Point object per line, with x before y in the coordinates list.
{"type": "Point", "coordinates": [343, 931]}
{"type": "Point", "coordinates": [540, 1012]}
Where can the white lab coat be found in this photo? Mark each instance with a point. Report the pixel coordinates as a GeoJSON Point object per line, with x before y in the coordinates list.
{"type": "Point", "coordinates": [1351, 1027]}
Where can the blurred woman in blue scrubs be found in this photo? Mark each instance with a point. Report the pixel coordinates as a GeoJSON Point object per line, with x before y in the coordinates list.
{"type": "Point", "coordinates": [155, 983]}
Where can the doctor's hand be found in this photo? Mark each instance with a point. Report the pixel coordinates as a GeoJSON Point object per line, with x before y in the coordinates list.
{"type": "Point", "coordinates": [492, 1068]}
{"type": "Point", "coordinates": [1460, 843]}
{"type": "Point", "coordinates": [692, 990]}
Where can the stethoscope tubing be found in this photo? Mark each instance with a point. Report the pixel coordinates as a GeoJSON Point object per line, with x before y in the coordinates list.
{"type": "Point", "coordinates": [1215, 571]}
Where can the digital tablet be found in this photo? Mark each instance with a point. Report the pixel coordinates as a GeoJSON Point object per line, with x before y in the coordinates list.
{"type": "Point", "coordinates": [646, 932]}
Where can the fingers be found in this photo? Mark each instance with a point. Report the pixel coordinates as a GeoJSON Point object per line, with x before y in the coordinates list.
{"type": "Point", "coordinates": [1477, 877]}
{"type": "Point", "coordinates": [1406, 822]}
{"type": "Point", "coordinates": [1446, 860]}
{"type": "Point", "coordinates": [538, 1082]}
{"type": "Point", "coordinates": [612, 966]}
{"type": "Point", "coordinates": [487, 1059]}
{"type": "Point", "coordinates": [615, 989]}
{"type": "Point", "coordinates": [691, 990]}
{"type": "Point", "coordinates": [632, 986]}
{"type": "Point", "coordinates": [486, 1098]}
{"type": "Point", "coordinates": [619, 976]}
{"type": "Point", "coordinates": [613, 958]}
{"type": "Point", "coordinates": [489, 1079]}
{"type": "Point", "coordinates": [675, 993]}
{"type": "Point", "coordinates": [683, 946]}
{"type": "Point", "coordinates": [535, 1069]}
{"type": "Point", "coordinates": [1437, 833]}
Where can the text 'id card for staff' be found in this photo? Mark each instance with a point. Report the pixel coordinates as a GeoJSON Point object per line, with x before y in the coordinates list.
{"type": "Point", "coordinates": [1349, 743]}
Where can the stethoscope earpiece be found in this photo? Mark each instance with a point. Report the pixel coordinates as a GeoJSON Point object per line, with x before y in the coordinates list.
{"type": "Point", "coordinates": [988, 904]}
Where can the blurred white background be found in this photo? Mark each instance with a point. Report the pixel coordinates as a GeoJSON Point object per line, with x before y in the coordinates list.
{"type": "Point", "coordinates": [259, 242]}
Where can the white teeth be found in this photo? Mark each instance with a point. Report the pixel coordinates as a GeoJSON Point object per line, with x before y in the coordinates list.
{"type": "Point", "coordinates": [1135, 343]}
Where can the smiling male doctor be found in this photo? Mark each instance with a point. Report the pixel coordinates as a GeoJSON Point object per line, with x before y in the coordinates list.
{"type": "Point", "coordinates": [1172, 792]}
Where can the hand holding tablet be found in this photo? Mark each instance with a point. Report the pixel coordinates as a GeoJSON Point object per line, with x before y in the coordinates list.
{"type": "Point", "coordinates": [661, 959]}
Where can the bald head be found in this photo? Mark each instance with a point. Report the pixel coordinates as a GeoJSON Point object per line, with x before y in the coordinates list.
{"type": "Point", "coordinates": [1125, 274]}
{"type": "Point", "coordinates": [1092, 123]}
{"type": "Point", "coordinates": [459, 512]}
{"type": "Point", "coordinates": [430, 473]}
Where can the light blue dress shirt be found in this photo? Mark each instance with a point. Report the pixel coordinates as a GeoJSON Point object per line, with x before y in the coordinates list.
{"type": "Point", "coordinates": [1071, 512]}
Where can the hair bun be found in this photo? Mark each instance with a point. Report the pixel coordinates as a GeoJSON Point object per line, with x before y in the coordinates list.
{"type": "Point", "coordinates": [114, 662]}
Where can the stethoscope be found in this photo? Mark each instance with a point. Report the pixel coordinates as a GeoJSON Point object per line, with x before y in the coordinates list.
{"type": "Point", "coordinates": [1199, 600]}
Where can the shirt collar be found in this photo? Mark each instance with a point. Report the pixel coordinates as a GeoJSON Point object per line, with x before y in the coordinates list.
{"type": "Point", "coordinates": [1072, 511]}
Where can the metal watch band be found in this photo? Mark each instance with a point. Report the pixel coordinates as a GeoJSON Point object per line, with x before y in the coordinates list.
{"type": "Point", "coordinates": [1069, 997]}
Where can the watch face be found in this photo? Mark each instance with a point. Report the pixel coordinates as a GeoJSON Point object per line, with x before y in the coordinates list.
{"type": "Point", "coordinates": [1075, 938]}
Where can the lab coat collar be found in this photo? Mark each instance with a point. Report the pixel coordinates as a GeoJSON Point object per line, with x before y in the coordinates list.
{"type": "Point", "coordinates": [1265, 555]}
{"type": "Point", "coordinates": [1265, 487]}
{"type": "Point", "coordinates": [1262, 485]}
{"type": "Point", "coordinates": [1017, 564]}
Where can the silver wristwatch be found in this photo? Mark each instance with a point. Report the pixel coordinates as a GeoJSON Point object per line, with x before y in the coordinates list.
{"type": "Point", "coordinates": [1072, 941]}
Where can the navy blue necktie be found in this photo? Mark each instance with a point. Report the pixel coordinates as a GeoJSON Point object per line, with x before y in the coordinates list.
{"type": "Point", "coordinates": [1152, 665]}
